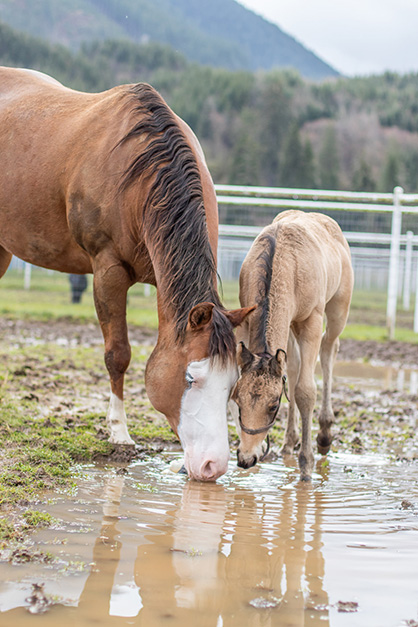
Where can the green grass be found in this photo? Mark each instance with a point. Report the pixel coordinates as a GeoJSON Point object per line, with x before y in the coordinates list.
{"type": "Point", "coordinates": [49, 297]}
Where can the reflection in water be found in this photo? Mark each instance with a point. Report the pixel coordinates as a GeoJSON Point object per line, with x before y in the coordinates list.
{"type": "Point", "coordinates": [223, 551]}
{"type": "Point", "coordinates": [257, 549]}
{"type": "Point", "coordinates": [391, 378]}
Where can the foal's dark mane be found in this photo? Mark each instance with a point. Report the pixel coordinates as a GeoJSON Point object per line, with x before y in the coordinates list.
{"type": "Point", "coordinates": [265, 271]}
{"type": "Point", "coordinates": [174, 218]}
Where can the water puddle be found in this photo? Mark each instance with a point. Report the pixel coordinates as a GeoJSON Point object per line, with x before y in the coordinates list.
{"type": "Point", "coordinates": [373, 377]}
{"type": "Point", "coordinates": [143, 546]}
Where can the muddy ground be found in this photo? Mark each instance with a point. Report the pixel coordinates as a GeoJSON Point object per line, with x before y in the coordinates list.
{"type": "Point", "coordinates": [384, 421]}
{"type": "Point", "coordinates": [88, 334]}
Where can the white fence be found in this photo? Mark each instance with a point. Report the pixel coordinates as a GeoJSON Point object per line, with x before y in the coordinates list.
{"type": "Point", "coordinates": [386, 260]}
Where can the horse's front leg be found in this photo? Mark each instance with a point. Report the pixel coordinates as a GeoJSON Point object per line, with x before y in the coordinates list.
{"type": "Point", "coordinates": [111, 284]}
{"type": "Point", "coordinates": [309, 340]}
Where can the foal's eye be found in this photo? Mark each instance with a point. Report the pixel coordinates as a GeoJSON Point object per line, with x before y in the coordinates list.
{"type": "Point", "coordinates": [189, 380]}
{"type": "Point", "coordinates": [274, 407]}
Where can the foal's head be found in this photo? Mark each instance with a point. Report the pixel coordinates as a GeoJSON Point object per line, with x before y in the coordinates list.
{"type": "Point", "coordinates": [258, 393]}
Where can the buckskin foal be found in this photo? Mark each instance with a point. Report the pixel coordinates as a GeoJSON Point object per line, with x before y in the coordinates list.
{"type": "Point", "coordinates": [298, 269]}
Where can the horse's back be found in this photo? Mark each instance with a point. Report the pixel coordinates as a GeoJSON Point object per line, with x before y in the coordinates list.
{"type": "Point", "coordinates": [309, 257]}
{"type": "Point", "coordinates": [48, 135]}
{"type": "Point", "coordinates": [23, 73]}
{"type": "Point", "coordinates": [316, 225]}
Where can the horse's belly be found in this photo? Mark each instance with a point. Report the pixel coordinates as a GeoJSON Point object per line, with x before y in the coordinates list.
{"type": "Point", "coordinates": [49, 246]}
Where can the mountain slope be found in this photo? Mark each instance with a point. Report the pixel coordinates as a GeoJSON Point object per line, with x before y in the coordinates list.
{"type": "Point", "coordinates": [221, 33]}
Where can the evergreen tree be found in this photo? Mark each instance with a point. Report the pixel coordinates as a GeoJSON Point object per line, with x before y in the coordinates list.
{"type": "Point", "coordinates": [308, 168]}
{"type": "Point", "coordinates": [291, 171]}
{"type": "Point", "coordinates": [363, 180]}
{"type": "Point", "coordinates": [391, 172]}
{"type": "Point", "coordinates": [328, 160]}
{"type": "Point", "coordinates": [244, 167]}
{"type": "Point", "coordinates": [274, 120]}
{"type": "Point", "coordinates": [411, 172]}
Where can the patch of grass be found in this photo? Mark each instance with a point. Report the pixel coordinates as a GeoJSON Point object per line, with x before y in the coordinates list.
{"type": "Point", "coordinates": [49, 297]}
{"type": "Point", "coordinates": [145, 487]}
{"type": "Point", "coordinates": [7, 531]}
{"type": "Point", "coordinates": [361, 332]}
{"type": "Point", "coordinates": [36, 519]}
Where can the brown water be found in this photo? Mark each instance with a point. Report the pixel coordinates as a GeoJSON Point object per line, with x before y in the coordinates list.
{"type": "Point", "coordinates": [377, 377]}
{"type": "Point", "coordinates": [144, 546]}
{"type": "Point", "coordinates": [257, 548]}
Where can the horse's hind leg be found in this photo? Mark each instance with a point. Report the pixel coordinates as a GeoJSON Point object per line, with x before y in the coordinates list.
{"type": "Point", "coordinates": [111, 284]}
{"type": "Point", "coordinates": [291, 436]}
{"type": "Point", "coordinates": [5, 258]}
{"type": "Point", "coordinates": [308, 335]}
{"type": "Point", "coordinates": [336, 313]}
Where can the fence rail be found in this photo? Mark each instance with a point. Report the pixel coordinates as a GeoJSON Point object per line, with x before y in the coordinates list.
{"type": "Point", "coordinates": [386, 259]}
{"type": "Point", "coordinates": [390, 255]}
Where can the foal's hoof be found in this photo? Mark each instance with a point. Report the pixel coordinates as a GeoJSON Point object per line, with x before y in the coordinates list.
{"type": "Point", "coordinates": [306, 478]}
{"type": "Point", "coordinates": [323, 444]}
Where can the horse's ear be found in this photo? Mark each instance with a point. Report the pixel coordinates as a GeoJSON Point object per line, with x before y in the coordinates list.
{"type": "Point", "coordinates": [200, 315]}
{"type": "Point", "coordinates": [237, 316]}
{"type": "Point", "coordinates": [244, 357]}
{"type": "Point", "coordinates": [278, 363]}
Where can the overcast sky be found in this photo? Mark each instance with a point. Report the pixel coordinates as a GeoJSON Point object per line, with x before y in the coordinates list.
{"type": "Point", "coordinates": [354, 36]}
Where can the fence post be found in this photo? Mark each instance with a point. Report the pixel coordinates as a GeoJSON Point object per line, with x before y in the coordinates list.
{"type": "Point", "coordinates": [416, 303]}
{"type": "Point", "coordinates": [408, 271]}
{"type": "Point", "coordinates": [27, 276]}
{"type": "Point", "coordinates": [394, 262]}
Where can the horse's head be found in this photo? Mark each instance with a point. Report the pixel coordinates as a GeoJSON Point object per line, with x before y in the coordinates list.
{"type": "Point", "coordinates": [190, 381]}
{"type": "Point", "coordinates": [257, 393]}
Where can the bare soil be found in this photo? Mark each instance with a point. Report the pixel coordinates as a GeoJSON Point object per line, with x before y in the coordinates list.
{"type": "Point", "coordinates": [88, 334]}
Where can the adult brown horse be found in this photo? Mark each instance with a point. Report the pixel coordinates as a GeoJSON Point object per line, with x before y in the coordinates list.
{"type": "Point", "coordinates": [298, 271]}
{"type": "Point", "coordinates": [115, 184]}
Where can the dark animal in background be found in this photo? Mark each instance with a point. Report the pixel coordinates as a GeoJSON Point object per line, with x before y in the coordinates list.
{"type": "Point", "coordinates": [78, 283]}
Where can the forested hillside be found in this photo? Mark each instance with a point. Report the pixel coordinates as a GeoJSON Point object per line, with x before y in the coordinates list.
{"type": "Point", "coordinates": [265, 128]}
{"type": "Point", "coordinates": [219, 33]}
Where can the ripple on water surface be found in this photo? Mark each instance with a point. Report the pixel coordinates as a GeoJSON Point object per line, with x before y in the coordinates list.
{"type": "Point", "coordinates": [148, 547]}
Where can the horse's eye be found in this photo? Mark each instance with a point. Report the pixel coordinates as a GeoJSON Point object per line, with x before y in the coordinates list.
{"type": "Point", "coordinates": [189, 380]}
{"type": "Point", "coordinates": [274, 408]}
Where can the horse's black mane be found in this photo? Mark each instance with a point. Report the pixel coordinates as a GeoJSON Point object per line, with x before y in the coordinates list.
{"type": "Point", "coordinates": [173, 217]}
{"type": "Point", "coordinates": [265, 270]}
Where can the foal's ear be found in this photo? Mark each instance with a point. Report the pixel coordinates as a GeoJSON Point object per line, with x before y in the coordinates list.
{"type": "Point", "coordinates": [278, 363]}
{"type": "Point", "coordinates": [237, 316]}
{"type": "Point", "coordinates": [200, 315]}
{"type": "Point", "coordinates": [245, 358]}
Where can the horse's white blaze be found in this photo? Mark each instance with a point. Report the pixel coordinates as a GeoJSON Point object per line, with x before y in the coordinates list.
{"type": "Point", "coordinates": [116, 421]}
{"type": "Point", "coordinates": [203, 430]}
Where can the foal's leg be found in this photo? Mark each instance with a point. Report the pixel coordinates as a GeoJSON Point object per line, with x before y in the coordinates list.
{"type": "Point", "coordinates": [291, 436]}
{"type": "Point", "coordinates": [111, 284]}
{"type": "Point", "coordinates": [5, 258]}
{"type": "Point", "coordinates": [308, 335]}
{"type": "Point", "coordinates": [337, 313]}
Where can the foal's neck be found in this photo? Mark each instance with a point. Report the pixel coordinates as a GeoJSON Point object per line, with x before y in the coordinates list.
{"type": "Point", "coordinates": [269, 326]}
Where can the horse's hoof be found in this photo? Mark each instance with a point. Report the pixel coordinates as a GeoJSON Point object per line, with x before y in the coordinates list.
{"type": "Point", "coordinates": [323, 444]}
{"type": "Point", "coordinates": [306, 478]}
{"type": "Point", "coordinates": [323, 450]}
